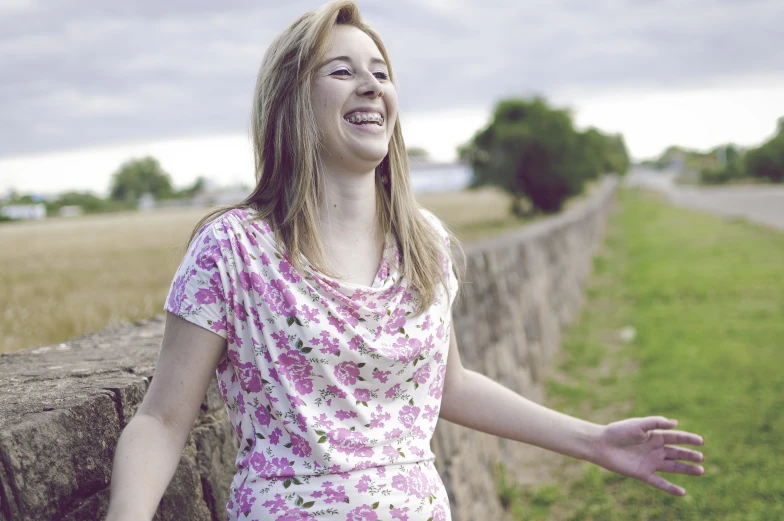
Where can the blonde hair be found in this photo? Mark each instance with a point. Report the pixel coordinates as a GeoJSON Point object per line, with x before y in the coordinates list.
{"type": "Point", "coordinates": [286, 151]}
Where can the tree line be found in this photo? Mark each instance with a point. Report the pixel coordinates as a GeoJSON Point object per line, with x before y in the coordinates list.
{"type": "Point", "coordinates": [728, 163]}
{"type": "Point", "coordinates": [134, 178]}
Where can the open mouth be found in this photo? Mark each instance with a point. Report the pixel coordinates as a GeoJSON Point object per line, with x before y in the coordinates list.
{"type": "Point", "coordinates": [365, 119]}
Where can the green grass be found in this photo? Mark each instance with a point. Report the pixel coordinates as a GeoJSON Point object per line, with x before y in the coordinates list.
{"type": "Point", "coordinates": [706, 298]}
{"type": "Point", "coordinates": [525, 504]}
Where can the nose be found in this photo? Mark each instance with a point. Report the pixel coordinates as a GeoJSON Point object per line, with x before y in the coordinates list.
{"type": "Point", "coordinates": [370, 87]}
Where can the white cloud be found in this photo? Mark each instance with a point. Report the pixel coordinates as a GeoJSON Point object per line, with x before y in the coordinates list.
{"type": "Point", "coordinates": [8, 7]}
{"type": "Point", "coordinates": [85, 104]}
{"type": "Point", "coordinates": [441, 132]}
{"type": "Point", "coordinates": [738, 110]}
{"type": "Point", "coordinates": [228, 160]}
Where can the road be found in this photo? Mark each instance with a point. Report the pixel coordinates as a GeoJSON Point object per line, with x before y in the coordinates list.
{"type": "Point", "coordinates": [762, 204]}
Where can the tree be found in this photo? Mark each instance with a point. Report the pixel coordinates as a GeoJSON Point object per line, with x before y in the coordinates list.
{"type": "Point", "coordinates": [194, 189]}
{"type": "Point", "coordinates": [618, 160]}
{"type": "Point", "coordinates": [418, 153]}
{"type": "Point", "coordinates": [767, 161]}
{"type": "Point", "coordinates": [533, 151]}
{"type": "Point", "coordinates": [138, 176]}
{"type": "Point", "coordinates": [90, 203]}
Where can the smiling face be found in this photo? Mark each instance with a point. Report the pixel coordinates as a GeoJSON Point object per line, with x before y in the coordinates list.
{"type": "Point", "coordinates": [354, 102]}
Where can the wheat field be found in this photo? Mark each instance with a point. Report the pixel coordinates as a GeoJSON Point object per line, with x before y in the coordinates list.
{"type": "Point", "coordinates": [62, 278]}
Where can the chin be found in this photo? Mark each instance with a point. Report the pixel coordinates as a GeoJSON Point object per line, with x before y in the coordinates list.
{"type": "Point", "coordinates": [371, 157]}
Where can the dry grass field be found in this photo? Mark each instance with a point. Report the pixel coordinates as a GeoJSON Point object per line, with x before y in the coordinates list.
{"type": "Point", "coordinates": [62, 278]}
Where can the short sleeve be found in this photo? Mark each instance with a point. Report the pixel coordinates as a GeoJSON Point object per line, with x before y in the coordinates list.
{"type": "Point", "coordinates": [446, 261]}
{"type": "Point", "coordinates": [199, 290]}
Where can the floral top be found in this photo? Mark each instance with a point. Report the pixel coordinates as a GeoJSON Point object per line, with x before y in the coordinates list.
{"type": "Point", "coordinates": [332, 388]}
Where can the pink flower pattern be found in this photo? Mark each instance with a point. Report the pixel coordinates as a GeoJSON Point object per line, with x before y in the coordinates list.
{"type": "Point", "coordinates": [332, 388]}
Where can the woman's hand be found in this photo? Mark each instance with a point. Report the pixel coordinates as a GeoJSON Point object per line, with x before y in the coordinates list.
{"type": "Point", "coordinates": [640, 447]}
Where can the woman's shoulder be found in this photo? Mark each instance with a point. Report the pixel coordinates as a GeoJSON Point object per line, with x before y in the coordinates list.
{"type": "Point", "coordinates": [436, 223]}
{"type": "Point", "coordinates": [431, 218]}
{"type": "Point", "coordinates": [237, 231]}
{"type": "Point", "coordinates": [237, 223]}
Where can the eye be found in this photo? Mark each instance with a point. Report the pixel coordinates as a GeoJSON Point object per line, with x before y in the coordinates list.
{"type": "Point", "coordinates": [341, 72]}
{"type": "Point", "coordinates": [381, 75]}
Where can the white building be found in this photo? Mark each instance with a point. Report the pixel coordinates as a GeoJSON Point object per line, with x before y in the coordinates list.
{"type": "Point", "coordinates": [24, 211]}
{"type": "Point", "coordinates": [71, 211]}
{"type": "Point", "coordinates": [439, 177]}
{"type": "Point", "coordinates": [221, 196]}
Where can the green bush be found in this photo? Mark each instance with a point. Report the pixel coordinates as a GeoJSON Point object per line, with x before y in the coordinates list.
{"type": "Point", "coordinates": [714, 176]}
{"type": "Point", "coordinates": [767, 161]}
{"type": "Point", "coordinates": [139, 176]}
{"type": "Point", "coordinates": [534, 152]}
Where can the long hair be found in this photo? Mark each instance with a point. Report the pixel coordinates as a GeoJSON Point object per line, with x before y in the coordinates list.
{"type": "Point", "coordinates": [286, 146]}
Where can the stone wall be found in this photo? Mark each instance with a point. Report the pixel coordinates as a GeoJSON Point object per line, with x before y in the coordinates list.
{"type": "Point", "coordinates": [63, 407]}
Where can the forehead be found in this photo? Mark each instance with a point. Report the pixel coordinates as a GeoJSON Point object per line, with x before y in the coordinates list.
{"type": "Point", "coordinates": [349, 41]}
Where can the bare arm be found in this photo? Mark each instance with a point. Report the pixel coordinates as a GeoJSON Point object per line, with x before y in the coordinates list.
{"type": "Point", "coordinates": [151, 445]}
{"type": "Point", "coordinates": [473, 400]}
{"type": "Point", "coordinates": [635, 447]}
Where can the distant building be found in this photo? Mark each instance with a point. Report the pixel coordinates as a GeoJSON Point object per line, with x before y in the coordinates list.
{"type": "Point", "coordinates": [146, 202]}
{"type": "Point", "coordinates": [439, 177]}
{"type": "Point", "coordinates": [220, 196]}
{"type": "Point", "coordinates": [71, 211]}
{"type": "Point", "coordinates": [24, 211]}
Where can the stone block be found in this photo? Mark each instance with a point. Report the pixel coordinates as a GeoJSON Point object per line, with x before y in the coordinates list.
{"type": "Point", "coordinates": [184, 498]}
{"type": "Point", "coordinates": [217, 448]}
{"type": "Point", "coordinates": [93, 508]}
{"type": "Point", "coordinates": [54, 458]}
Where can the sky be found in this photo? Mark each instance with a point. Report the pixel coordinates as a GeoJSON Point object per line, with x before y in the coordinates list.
{"type": "Point", "coordinates": [87, 85]}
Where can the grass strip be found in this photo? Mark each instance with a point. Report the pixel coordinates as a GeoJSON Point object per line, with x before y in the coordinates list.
{"type": "Point", "coordinates": [704, 299]}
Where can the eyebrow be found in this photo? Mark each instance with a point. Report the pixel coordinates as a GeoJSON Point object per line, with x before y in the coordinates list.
{"type": "Point", "coordinates": [375, 61]}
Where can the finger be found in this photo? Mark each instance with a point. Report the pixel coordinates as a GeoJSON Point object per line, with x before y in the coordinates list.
{"type": "Point", "coordinates": [659, 482]}
{"type": "Point", "coordinates": [682, 438]}
{"type": "Point", "coordinates": [657, 422]}
{"type": "Point", "coordinates": [678, 453]}
{"type": "Point", "coordinates": [676, 467]}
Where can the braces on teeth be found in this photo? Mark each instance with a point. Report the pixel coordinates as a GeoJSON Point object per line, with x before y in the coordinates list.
{"type": "Point", "coordinates": [365, 117]}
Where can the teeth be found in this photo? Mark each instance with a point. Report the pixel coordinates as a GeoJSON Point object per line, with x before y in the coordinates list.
{"type": "Point", "coordinates": [361, 118]}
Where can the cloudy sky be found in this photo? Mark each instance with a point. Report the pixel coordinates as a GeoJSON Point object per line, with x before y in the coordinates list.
{"type": "Point", "coordinates": [86, 84]}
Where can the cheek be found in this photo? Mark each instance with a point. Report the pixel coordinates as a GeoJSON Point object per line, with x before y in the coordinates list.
{"type": "Point", "coordinates": [391, 101]}
{"type": "Point", "coordinates": [326, 102]}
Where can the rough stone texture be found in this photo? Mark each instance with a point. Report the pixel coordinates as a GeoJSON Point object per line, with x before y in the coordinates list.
{"type": "Point", "coordinates": [63, 407]}
{"type": "Point", "coordinates": [217, 448]}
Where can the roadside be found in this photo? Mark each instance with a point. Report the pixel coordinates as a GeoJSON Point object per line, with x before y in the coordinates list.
{"type": "Point", "coordinates": [760, 203]}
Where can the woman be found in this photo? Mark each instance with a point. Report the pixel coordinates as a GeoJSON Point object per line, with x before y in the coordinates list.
{"type": "Point", "coordinates": [323, 302]}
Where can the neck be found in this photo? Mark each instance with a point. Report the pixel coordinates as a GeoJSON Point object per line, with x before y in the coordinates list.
{"type": "Point", "coordinates": [348, 208]}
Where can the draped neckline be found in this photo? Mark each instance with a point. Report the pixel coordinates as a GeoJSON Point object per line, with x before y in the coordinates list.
{"type": "Point", "coordinates": [388, 273]}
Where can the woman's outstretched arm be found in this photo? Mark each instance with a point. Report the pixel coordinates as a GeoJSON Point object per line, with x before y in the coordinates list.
{"type": "Point", "coordinates": [637, 447]}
